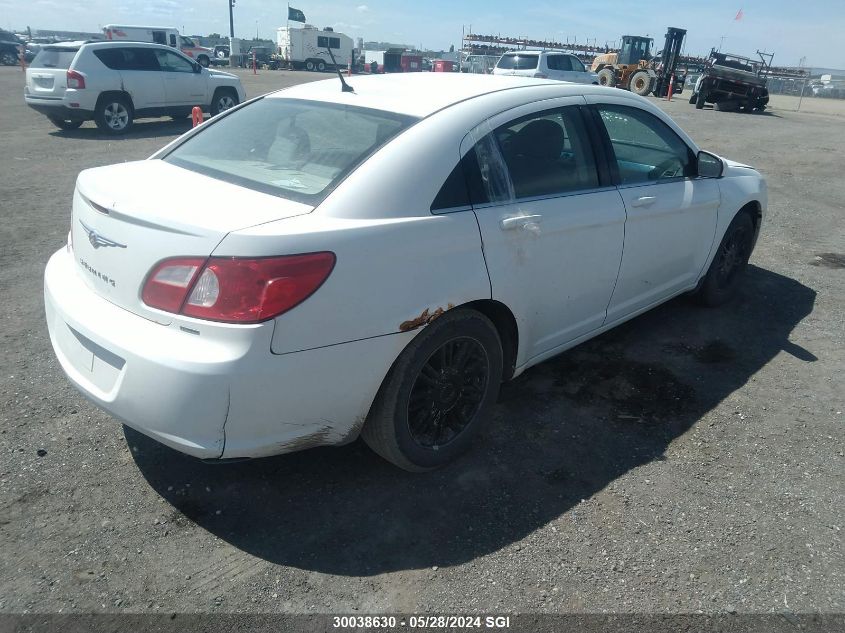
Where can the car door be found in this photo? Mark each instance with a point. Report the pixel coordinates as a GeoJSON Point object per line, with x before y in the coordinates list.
{"type": "Point", "coordinates": [671, 212]}
{"type": "Point", "coordinates": [139, 74]}
{"type": "Point", "coordinates": [552, 224]}
{"type": "Point", "coordinates": [183, 86]}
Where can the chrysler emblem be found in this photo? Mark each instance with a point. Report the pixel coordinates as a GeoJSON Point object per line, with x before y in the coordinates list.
{"type": "Point", "coordinates": [98, 240]}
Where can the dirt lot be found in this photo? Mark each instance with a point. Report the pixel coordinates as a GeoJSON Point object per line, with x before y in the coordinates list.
{"type": "Point", "coordinates": [689, 460]}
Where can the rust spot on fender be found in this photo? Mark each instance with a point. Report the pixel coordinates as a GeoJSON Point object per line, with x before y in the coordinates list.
{"type": "Point", "coordinates": [424, 318]}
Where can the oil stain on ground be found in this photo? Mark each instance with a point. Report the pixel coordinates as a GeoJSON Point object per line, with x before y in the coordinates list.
{"type": "Point", "coordinates": [829, 260]}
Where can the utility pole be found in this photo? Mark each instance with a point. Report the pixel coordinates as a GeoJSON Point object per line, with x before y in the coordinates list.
{"type": "Point", "coordinates": [231, 19]}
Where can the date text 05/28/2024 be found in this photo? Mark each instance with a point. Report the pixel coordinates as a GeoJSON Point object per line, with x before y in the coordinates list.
{"type": "Point", "coordinates": [421, 622]}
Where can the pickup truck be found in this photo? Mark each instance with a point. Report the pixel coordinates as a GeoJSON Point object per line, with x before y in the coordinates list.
{"type": "Point", "coordinates": [731, 82]}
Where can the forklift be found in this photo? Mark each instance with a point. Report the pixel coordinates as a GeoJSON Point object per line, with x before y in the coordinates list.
{"type": "Point", "coordinates": [634, 68]}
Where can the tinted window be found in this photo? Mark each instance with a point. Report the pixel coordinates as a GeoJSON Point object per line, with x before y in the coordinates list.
{"type": "Point", "coordinates": [646, 149]}
{"type": "Point", "coordinates": [291, 148]}
{"type": "Point", "coordinates": [127, 58]}
{"type": "Point", "coordinates": [173, 63]}
{"type": "Point", "coordinates": [558, 62]}
{"type": "Point", "coordinates": [577, 65]}
{"type": "Point", "coordinates": [463, 187]}
{"type": "Point", "coordinates": [54, 57]}
{"type": "Point", "coordinates": [548, 153]}
{"type": "Point", "coordinates": [173, 40]}
{"type": "Point", "coordinates": [328, 42]}
{"type": "Point", "coordinates": [510, 61]}
{"type": "Point", "coordinates": [158, 37]}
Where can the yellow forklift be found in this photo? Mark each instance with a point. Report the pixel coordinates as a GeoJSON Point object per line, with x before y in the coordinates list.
{"type": "Point", "coordinates": [634, 68]}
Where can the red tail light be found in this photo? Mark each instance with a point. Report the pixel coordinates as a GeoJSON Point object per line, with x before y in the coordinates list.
{"type": "Point", "coordinates": [236, 289]}
{"type": "Point", "coordinates": [75, 80]}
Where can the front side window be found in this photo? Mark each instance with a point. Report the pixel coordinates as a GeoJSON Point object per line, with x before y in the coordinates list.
{"type": "Point", "coordinates": [510, 61]}
{"type": "Point", "coordinates": [173, 63]}
{"type": "Point", "coordinates": [548, 153]}
{"type": "Point", "coordinates": [577, 65]}
{"type": "Point", "coordinates": [290, 148]}
{"type": "Point", "coordinates": [646, 149]}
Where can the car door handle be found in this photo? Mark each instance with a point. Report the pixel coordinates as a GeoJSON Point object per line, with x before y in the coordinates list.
{"type": "Point", "coordinates": [519, 221]}
{"type": "Point", "coordinates": [644, 201]}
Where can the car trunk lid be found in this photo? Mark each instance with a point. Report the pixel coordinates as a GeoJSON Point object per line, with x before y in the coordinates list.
{"type": "Point", "coordinates": [128, 217]}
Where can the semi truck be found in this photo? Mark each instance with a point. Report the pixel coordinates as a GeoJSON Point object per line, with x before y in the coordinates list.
{"type": "Point", "coordinates": [305, 48]}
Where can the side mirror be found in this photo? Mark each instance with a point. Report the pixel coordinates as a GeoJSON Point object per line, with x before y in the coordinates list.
{"type": "Point", "coordinates": [197, 68]}
{"type": "Point", "coordinates": [709, 166]}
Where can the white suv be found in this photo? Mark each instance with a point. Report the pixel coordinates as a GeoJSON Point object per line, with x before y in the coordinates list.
{"type": "Point", "coordinates": [545, 65]}
{"type": "Point", "coordinates": [113, 83]}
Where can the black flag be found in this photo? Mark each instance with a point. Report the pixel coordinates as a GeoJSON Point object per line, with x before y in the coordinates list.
{"type": "Point", "coordinates": [296, 15]}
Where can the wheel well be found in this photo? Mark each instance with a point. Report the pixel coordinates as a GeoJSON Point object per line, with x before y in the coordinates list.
{"type": "Point", "coordinates": [505, 323]}
{"type": "Point", "coordinates": [115, 93]}
{"type": "Point", "coordinates": [755, 211]}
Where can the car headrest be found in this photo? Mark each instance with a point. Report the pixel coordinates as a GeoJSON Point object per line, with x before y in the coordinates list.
{"type": "Point", "coordinates": [541, 139]}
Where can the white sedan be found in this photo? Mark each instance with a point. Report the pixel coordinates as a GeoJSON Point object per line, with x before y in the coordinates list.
{"type": "Point", "coordinates": [316, 265]}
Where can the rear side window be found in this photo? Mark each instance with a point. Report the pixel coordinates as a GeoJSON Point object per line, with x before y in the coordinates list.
{"type": "Point", "coordinates": [463, 187]}
{"type": "Point", "coordinates": [128, 58]}
{"type": "Point", "coordinates": [54, 57]}
{"type": "Point", "coordinates": [548, 153]}
{"type": "Point", "coordinates": [559, 62]}
{"type": "Point", "coordinates": [518, 62]}
{"type": "Point", "coordinates": [290, 148]}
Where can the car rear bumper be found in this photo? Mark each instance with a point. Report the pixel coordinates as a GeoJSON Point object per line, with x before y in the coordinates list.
{"type": "Point", "coordinates": [58, 108]}
{"type": "Point", "coordinates": [220, 393]}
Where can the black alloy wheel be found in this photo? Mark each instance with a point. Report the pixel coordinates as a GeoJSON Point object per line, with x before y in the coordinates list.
{"type": "Point", "coordinates": [447, 392]}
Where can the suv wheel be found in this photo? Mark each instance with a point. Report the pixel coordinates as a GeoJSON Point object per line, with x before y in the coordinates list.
{"type": "Point", "coordinates": [114, 114]}
{"type": "Point", "coordinates": [224, 98]}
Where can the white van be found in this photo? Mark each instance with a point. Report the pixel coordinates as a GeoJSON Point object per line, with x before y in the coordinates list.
{"type": "Point", "coordinates": [166, 35]}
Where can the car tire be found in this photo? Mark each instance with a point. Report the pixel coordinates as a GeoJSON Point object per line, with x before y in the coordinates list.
{"type": "Point", "coordinates": [203, 61]}
{"type": "Point", "coordinates": [224, 98]}
{"type": "Point", "coordinates": [65, 124]}
{"type": "Point", "coordinates": [321, 67]}
{"type": "Point", "coordinates": [8, 58]}
{"type": "Point", "coordinates": [723, 277]}
{"type": "Point", "coordinates": [442, 387]}
{"type": "Point", "coordinates": [607, 77]}
{"type": "Point", "coordinates": [700, 98]}
{"type": "Point", "coordinates": [309, 65]}
{"type": "Point", "coordinates": [113, 114]}
{"type": "Point", "coordinates": [640, 83]}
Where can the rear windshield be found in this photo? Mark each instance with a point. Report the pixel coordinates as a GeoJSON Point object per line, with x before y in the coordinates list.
{"type": "Point", "coordinates": [54, 57]}
{"type": "Point", "coordinates": [291, 148]}
{"type": "Point", "coordinates": [518, 62]}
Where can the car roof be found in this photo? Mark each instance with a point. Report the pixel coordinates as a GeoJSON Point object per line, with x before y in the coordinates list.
{"type": "Point", "coordinates": [419, 94]}
{"type": "Point", "coordinates": [123, 43]}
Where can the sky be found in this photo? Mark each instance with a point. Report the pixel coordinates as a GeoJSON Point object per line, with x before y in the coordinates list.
{"type": "Point", "coordinates": [809, 29]}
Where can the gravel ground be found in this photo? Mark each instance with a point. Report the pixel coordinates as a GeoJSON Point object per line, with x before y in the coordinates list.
{"type": "Point", "coordinates": [690, 460]}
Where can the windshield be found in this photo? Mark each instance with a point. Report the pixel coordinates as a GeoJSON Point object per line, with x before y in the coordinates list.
{"type": "Point", "coordinates": [54, 57]}
{"type": "Point", "coordinates": [290, 148]}
{"type": "Point", "coordinates": [518, 62]}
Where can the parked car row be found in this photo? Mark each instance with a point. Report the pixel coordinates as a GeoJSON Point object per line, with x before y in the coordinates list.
{"type": "Point", "coordinates": [114, 83]}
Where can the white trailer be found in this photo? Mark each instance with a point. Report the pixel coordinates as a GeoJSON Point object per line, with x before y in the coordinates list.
{"type": "Point", "coordinates": [305, 48]}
